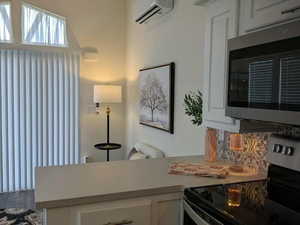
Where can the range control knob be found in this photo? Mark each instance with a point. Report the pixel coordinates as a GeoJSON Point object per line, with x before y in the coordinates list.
{"type": "Point", "coordinates": [289, 150]}
{"type": "Point", "coordinates": [274, 148]}
{"type": "Point", "coordinates": [279, 148]}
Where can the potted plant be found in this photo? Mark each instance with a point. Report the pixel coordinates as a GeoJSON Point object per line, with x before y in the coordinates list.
{"type": "Point", "coordinates": [193, 107]}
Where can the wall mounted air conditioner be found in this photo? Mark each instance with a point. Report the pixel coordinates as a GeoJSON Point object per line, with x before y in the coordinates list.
{"type": "Point", "coordinates": [154, 7]}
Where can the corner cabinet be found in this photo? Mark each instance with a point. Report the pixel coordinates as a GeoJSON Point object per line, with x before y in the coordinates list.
{"type": "Point", "coordinates": [261, 14]}
{"type": "Point", "coordinates": [221, 24]}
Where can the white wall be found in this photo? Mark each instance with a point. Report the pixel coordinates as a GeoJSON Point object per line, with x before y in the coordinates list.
{"type": "Point", "coordinates": [177, 37]}
{"type": "Point", "coordinates": [99, 24]}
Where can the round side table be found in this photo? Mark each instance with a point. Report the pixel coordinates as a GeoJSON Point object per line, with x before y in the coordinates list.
{"type": "Point", "coordinates": [108, 147]}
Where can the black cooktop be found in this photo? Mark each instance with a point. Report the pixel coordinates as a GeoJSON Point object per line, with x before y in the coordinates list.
{"type": "Point", "coordinates": [256, 207]}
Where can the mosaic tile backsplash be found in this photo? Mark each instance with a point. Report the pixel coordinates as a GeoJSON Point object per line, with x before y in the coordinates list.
{"type": "Point", "coordinates": [254, 150]}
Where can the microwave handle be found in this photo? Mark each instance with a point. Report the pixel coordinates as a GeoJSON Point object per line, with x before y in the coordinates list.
{"type": "Point", "coordinates": [292, 10]}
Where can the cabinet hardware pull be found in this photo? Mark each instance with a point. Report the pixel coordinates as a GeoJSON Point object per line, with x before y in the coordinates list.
{"type": "Point", "coordinates": [292, 10]}
{"type": "Point", "coordinates": [124, 222]}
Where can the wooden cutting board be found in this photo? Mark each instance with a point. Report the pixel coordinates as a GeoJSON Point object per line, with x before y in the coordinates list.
{"type": "Point", "coordinates": [215, 171]}
{"type": "Point", "coordinates": [197, 169]}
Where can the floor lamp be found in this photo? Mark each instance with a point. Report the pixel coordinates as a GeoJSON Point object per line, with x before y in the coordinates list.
{"type": "Point", "coordinates": [106, 94]}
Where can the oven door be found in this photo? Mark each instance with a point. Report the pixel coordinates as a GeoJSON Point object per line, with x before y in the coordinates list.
{"type": "Point", "coordinates": [193, 215]}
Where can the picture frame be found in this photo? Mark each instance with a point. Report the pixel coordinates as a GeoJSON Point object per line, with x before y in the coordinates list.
{"type": "Point", "coordinates": [157, 90]}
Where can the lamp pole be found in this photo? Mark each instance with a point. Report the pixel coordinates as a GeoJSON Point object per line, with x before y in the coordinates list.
{"type": "Point", "coordinates": [107, 94]}
{"type": "Point", "coordinates": [107, 137]}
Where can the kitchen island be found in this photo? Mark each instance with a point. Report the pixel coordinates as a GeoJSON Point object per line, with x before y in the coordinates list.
{"type": "Point", "coordinates": [113, 192]}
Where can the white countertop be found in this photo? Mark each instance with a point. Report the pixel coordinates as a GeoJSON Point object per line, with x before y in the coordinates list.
{"type": "Point", "coordinates": [96, 182]}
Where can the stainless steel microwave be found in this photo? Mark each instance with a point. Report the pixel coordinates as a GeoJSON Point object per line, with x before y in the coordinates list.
{"type": "Point", "coordinates": [264, 75]}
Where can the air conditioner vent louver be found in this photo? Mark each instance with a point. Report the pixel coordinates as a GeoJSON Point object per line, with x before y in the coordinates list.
{"type": "Point", "coordinates": [148, 14]}
{"type": "Point", "coordinates": [155, 7]}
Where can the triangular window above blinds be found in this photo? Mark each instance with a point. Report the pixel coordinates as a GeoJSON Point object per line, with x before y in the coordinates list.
{"type": "Point", "coordinates": [5, 22]}
{"type": "Point", "coordinates": [40, 27]}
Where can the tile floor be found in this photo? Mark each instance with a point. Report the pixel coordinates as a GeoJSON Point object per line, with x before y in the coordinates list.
{"type": "Point", "coordinates": [23, 199]}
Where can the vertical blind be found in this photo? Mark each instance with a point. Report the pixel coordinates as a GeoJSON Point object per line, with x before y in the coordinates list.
{"type": "Point", "coordinates": [290, 82]}
{"type": "Point", "coordinates": [260, 82]}
{"type": "Point", "coordinates": [39, 114]}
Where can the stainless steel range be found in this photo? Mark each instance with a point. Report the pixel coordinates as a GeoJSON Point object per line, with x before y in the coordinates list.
{"type": "Point", "coordinates": [272, 202]}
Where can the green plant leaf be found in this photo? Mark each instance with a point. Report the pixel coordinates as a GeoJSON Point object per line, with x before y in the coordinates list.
{"type": "Point", "coordinates": [193, 106]}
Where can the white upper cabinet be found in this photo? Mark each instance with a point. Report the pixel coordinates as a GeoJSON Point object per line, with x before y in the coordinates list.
{"type": "Point", "coordinates": [221, 25]}
{"type": "Point", "coordinates": [260, 14]}
{"type": "Point", "coordinates": [228, 19]}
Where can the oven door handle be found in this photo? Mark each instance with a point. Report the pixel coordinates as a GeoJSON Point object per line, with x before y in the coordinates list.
{"type": "Point", "coordinates": [194, 216]}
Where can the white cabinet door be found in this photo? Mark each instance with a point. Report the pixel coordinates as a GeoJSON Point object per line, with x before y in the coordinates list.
{"type": "Point", "coordinates": [256, 14]}
{"type": "Point", "coordinates": [221, 25]}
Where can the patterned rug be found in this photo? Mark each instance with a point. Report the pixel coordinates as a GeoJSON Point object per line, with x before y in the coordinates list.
{"type": "Point", "coordinates": [20, 217]}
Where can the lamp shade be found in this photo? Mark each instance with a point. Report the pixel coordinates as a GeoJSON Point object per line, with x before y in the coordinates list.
{"type": "Point", "coordinates": [107, 94]}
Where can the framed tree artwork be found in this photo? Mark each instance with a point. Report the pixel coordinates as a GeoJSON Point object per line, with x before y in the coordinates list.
{"type": "Point", "coordinates": [157, 97]}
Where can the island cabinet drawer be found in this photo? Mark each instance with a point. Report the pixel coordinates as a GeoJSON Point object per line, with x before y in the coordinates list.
{"type": "Point", "coordinates": [123, 212]}
{"type": "Point", "coordinates": [131, 213]}
{"type": "Point", "coordinates": [152, 210]}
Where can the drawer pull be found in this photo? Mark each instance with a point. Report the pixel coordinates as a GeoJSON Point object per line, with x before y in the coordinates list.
{"type": "Point", "coordinates": [292, 10]}
{"type": "Point", "coordinates": [124, 222]}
